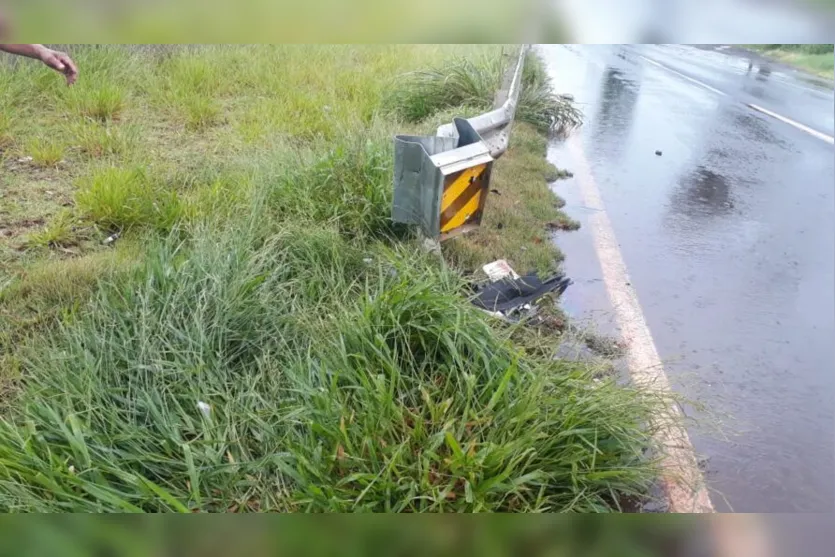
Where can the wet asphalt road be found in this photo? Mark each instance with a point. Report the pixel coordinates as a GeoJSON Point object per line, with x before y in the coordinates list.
{"type": "Point", "coordinates": [729, 239]}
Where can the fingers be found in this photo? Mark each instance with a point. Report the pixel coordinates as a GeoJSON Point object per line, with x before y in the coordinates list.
{"type": "Point", "coordinates": [50, 59]}
{"type": "Point", "coordinates": [68, 68]}
{"type": "Point", "coordinates": [60, 61]}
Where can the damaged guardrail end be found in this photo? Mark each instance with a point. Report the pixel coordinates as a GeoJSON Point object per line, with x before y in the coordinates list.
{"type": "Point", "coordinates": [494, 126]}
{"type": "Point", "coordinates": [441, 182]}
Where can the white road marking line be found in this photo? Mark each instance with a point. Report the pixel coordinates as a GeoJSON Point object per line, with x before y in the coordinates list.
{"type": "Point", "coordinates": [828, 138]}
{"type": "Point", "coordinates": [687, 77]}
{"type": "Point", "coordinates": [682, 479]}
{"type": "Point", "coordinates": [796, 86]}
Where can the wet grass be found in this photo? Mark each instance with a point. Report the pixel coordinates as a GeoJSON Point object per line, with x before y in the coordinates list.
{"type": "Point", "coordinates": [818, 59]}
{"type": "Point", "coordinates": [473, 83]}
{"type": "Point", "coordinates": [260, 336]}
{"type": "Point", "coordinates": [522, 212]}
{"type": "Point", "coordinates": [279, 370]}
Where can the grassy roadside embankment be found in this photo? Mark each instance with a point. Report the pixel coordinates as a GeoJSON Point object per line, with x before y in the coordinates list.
{"type": "Point", "coordinates": [260, 336]}
{"type": "Point", "coordinates": [818, 59]}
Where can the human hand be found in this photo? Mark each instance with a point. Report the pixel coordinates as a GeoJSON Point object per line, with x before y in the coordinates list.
{"type": "Point", "coordinates": [60, 62]}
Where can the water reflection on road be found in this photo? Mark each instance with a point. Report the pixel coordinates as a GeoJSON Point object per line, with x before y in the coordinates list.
{"type": "Point", "coordinates": [728, 237]}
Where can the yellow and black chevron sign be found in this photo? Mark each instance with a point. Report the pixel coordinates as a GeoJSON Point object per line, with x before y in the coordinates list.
{"type": "Point", "coordinates": [463, 197]}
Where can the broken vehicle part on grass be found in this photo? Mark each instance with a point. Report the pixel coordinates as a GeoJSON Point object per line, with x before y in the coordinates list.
{"type": "Point", "coordinates": [508, 293]}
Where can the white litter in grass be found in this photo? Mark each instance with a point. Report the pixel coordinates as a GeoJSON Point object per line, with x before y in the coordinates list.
{"type": "Point", "coordinates": [204, 408]}
{"type": "Point", "coordinates": [499, 269]}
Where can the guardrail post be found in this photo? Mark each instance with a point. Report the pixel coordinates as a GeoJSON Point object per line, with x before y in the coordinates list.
{"type": "Point", "coordinates": [441, 182]}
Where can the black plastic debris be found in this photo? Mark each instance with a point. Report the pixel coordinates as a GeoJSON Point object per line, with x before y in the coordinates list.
{"type": "Point", "coordinates": [658, 153]}
{"type": "Point", "coordinates": [508, 294]}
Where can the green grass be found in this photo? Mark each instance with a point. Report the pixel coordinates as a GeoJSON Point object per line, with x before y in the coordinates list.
{"type": "Point", "coordinates": [101, 103]}
{"type": "Point", "coordinates": [334, 385]}
{"type": "Point", "coordinates": [818, 59]}
{"type": "Point", "coordinates": [38, 297]}
{"type": "Point", "coordinates": [58, 232]}
{"type": "Point", "coordinates": [473, 83]}
{"type": "Point", "coordinates": [802, 48]}
{"type": "Point", "coordinates": [201, 112]}
{"type": "Point", "coordinates": [6, 137]}
{"type": "Point", "coordinates": [121, 198]}
{"type": "Point", "coordinates": [261, 336]}
{"type": "Point", "coordinates": [101, 140]}
{"type": "Point", "coordinates": [45, 153]}
{"type": "Point", "coordinates": [461, 82]}
{"type": "Point", "coordinates": [349, 186]}
{"type": "Point", "coordinates": [540, 105]}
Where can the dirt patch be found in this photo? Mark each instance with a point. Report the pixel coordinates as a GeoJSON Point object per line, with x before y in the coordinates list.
{"type": "Point", "coordinates": [41, 173]}
{"type": "Point", "coordinates": [604, 345]}
{"type": "Point", "coordinates": [562, 225]}
{"type": "Point", "coordinates": [19, 228]}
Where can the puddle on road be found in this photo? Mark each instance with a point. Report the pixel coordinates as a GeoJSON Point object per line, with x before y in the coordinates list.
{"type": "Point", "coordinates": [586, 301]}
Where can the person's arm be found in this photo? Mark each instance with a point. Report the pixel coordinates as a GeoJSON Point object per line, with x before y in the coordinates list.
{"type": "Point", "coordinates": [58, 61]}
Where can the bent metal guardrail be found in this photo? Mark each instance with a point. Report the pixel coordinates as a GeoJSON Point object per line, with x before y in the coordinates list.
{"type": "Point", "coordinates": [441, 182]}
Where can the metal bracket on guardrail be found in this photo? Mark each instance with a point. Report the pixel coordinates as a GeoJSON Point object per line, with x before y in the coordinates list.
{"type": "Point", "coordinates": [441, 182]}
